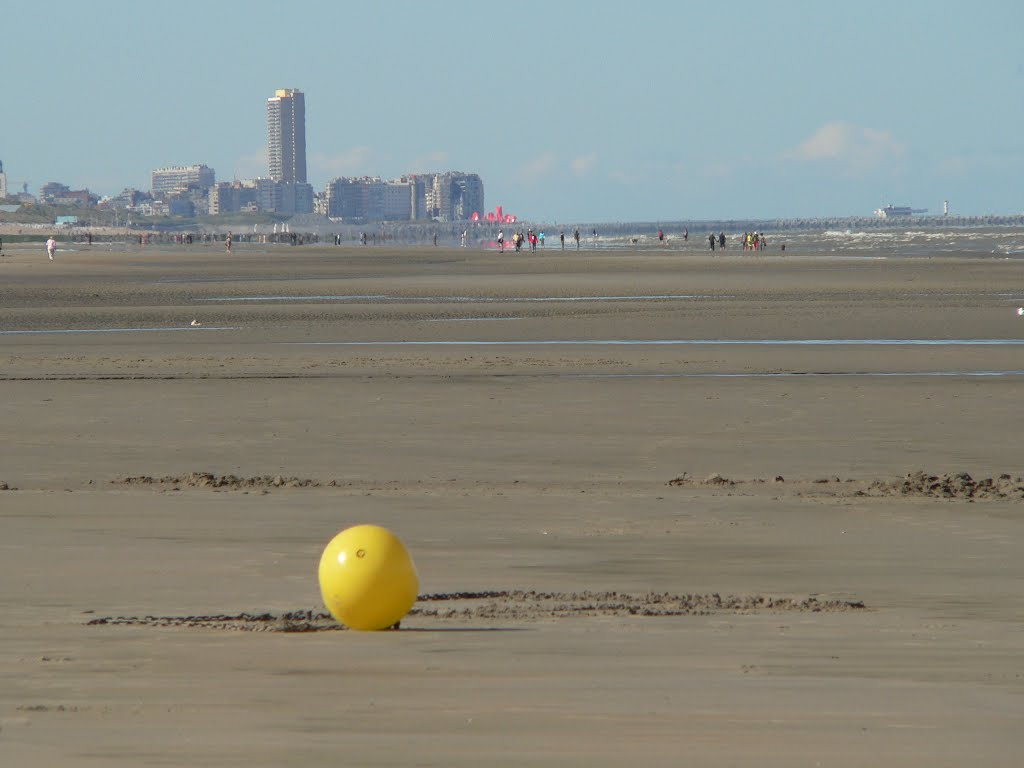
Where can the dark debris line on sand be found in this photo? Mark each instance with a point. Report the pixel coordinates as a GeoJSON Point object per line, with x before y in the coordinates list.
{"type": "Point", "coordinates": [519, 605]}
{"type": "Point", "coordinates": [946, 486]}
{"type": "Point", "coordinates": [230, 482]}
{"type": "Point", "coordinates": [959, 485]}
{"type": "Point", "coordinates": [290, 621]}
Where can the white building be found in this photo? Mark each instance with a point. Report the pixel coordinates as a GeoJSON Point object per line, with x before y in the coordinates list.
{"type": "Point", "coordinates": [179, 178]}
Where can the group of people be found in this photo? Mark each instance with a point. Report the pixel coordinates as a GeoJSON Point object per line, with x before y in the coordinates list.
{"type": "Point", "coordinates": [531, 238]}
{"type": "Point", "coordinates": [752, 241]}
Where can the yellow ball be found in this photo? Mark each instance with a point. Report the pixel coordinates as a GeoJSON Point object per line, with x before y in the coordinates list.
{"type": "Point", "coordinates": [367, 579]}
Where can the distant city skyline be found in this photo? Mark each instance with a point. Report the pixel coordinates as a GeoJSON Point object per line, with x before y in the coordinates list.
{"type": "Point", "coordinates": [588, 111]}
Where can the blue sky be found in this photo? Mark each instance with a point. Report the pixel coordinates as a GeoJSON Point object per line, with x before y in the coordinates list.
{"type": "Point", "coordinates": [569, 111]}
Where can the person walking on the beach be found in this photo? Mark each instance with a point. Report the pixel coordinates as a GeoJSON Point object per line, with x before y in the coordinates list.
{"type": "Point", "coordinates": [711, 241]}
{"type": "Point", "coordinates": [576, 235]}
{"type": "Point", "coordinates": [51, 247]}
{"type": "Point", "coordinates": [561, 237]}
{"type": "Point", "coordinates": [228, 242]}
{"type": "Point", "coordinates": [501, 241]}
{"type": "Point", "coordinates": [721, 241]}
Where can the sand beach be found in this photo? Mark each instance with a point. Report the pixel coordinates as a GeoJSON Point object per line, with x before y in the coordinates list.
{"type": "Point", "coordinates": [666, 509]}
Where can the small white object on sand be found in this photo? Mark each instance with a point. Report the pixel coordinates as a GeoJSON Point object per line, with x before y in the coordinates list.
{"type": "Point", "coordinates": [1020, 310]}
{"type": "Point", "coordinates": [196, 322]}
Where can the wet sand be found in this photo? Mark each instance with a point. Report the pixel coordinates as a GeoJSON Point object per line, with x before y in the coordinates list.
{"type": "Point", "coordinates": [660, 553]}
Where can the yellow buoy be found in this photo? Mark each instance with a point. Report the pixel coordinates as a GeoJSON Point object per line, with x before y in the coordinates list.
{"type": "Point", "coordinates": [367, 578]}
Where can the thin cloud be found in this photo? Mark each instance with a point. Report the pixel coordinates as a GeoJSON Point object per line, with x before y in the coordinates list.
{"type": "Point", "coordinates": [720, 169]}
{"type": "Point", "coordinates": [957, 166]}
{"type": "Point", "coordinates": [356, 161]}
{"type": "Point", "coordinates": [430, 162]}
{"type": "Point", "coordinates": [850, 146]}
{"type": "Point", "coordinates": [628, 177]}
{"type": "Point", "coordinates": [584, 164]}
{"type": "Point", "coordinates": [251, 166]}
{"type": "Point", "coordinates": [536, 169]}
{"type": "Point", "coordinates": [981, 162]}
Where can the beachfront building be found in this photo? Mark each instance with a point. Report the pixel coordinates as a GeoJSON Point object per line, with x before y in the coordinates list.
{"type": "Point", "coordinates": [286, 135]}
{"type": "Point", "coordinates": [232, 197]}
{"type": "Point", "coordinates": [369, 199]}
{"type": "Point", "coordinates": [450, 196]}
{"type": "Point", "coordinates": [129, 199]}
{"type": "Point", "coordinates": [351, 199]}
{"type": "Point", "coordinates": [283, 196]}
{"type": "Point", "coordinates": [260, 195]}
{"type": "Point", "coordinates": [294, 197]}
{"type": "Point", "coordinates": [180, 178]}
{"type": "Point", "coordinates": [320, 203]}
{"type": "Point", "coordinates": [55, 193]}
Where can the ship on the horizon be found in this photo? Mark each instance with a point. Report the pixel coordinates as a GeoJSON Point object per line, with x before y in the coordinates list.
{"type": "Point", "coordinates": [892, 211]}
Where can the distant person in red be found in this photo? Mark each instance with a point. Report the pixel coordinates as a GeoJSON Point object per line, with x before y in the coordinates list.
{"type": "Point", "coordinates": [228, 242]}
{"type": "Point", "coordinates": [51, 247]}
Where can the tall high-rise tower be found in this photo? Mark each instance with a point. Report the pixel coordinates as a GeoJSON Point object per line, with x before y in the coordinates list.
{"type": "Point", "coordinates": [286, 135]}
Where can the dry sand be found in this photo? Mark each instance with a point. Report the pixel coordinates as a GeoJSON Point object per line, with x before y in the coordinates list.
{"type": "Point", "coordinates": [625, 556]}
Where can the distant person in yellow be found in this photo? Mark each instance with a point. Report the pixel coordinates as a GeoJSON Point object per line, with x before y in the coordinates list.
{"type": "Point", "coordinates": [51, 247]}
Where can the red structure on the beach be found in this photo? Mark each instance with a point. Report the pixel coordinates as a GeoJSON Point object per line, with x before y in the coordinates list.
{"type": "Point", "coordinates": [497, 216]}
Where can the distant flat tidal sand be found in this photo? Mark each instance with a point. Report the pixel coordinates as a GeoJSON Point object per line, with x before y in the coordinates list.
{"type": "Point", "coordinates": [750, 510]}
